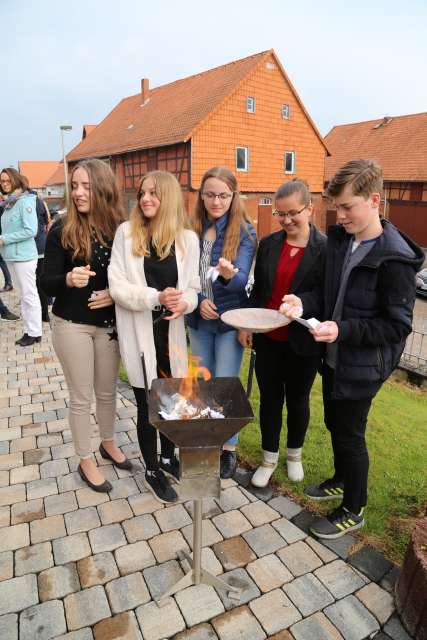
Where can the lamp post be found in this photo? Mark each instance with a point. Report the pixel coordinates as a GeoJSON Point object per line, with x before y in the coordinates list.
{"type": "Point", "coordinates": [65, 127]}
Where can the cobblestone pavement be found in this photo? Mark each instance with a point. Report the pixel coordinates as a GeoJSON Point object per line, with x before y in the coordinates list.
{"type": "Point", "coordinates": [78, 565]}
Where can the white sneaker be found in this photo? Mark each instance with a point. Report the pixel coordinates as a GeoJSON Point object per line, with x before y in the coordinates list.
{"type": "Point", "coordinates": [262, 475]}
{"type": "Point", "coordinates": [294, 465]}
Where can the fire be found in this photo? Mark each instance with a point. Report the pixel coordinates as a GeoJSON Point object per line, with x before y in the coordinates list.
{"type": "Point", "coordinates": [189, 386]}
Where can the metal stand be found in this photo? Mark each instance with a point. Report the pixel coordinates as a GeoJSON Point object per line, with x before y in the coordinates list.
{"type": "Point", "coordinates": [197, 574]}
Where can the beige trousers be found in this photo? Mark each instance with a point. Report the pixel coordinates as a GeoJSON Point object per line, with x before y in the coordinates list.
{"type": "Point", "coordinates": [90, 361]}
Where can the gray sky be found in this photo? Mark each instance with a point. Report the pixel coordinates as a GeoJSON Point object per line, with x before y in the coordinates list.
{"type": "Point", "coordinates": [70, 62]}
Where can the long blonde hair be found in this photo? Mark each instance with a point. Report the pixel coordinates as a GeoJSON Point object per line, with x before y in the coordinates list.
{"type": "Point", "coordinates": [169, 221]}
{"type": "Point", "coordinates": [106, 211]}
{"type": "Point", "coordinates": [238, 217]}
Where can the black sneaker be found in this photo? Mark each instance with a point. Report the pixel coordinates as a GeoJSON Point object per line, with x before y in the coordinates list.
{"type": "Point", "coordinates": [27, 341]}
{"type": "Point", "coordinates": [228, 464]}
{"type": "Point", "coordinates": [170, 468]}
{"type": "Point", "coordinates": [7, 287]}
{"type": "Point", "coordinates": [159, 486]}
{"type": "Point", "coordinates": [337, 524]}
{"type": "Point", "coordinates": [327, 490]}
{"type": "Point", "coordinates": [8, 315]}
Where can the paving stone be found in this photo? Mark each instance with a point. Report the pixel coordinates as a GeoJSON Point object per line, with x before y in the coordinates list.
{"type": "Point", "coordinates": [107, 538]}
{"type": "Point", "coordinates": [49, 440]}
{"type": "Point", "coordinates": [86, 608]}
{"type": "Point", "coordinates": [121, 627]}
{"type": "Point", "coordinates": [371, 562]}
{"type": "Point", "coordinates": [33, 559]}
{"type": "Point", "coordinates": [308, 594]}
{"type": "Point", "coordinates": [88, 498]}
{"type": "Point", "coordinates": [37, 456]}
{"type": "Point", "coordinates": [10, 495]}
{"type": "Point", "coordinates": [58, 582]}
{"type": "Point", "coordinates": [234, 553]}
{"type": "Point", "coordinates": [325, 554]}
{"type": "Point", "coordinates": [265, 494]}
{"type": "Point", "coordinates": [24, 474]}
{"type": "Point", "coordinates": [264, 540]}
{"type": "Point", "coordinates": [238, 623]}
{"type": "Point", "coordinates": [23, 444]}
{"type": "Point", "coordinates": [172, 518]}
{"type": "Point", "coordinates": [127, 592]}
{"type": "Point", "coordinates": [341, 546]}
{"type": "Point", "coordinates": [231, 524]}
{"type": "Point", "coordinates": [378, 601]}
{"type": "Point", "coordinates": [14, 537]}
{"type": "Point", "coordinates": [232, 498]}
{"type": "Point", "coordinates": [202, 631]}
{"type": "Point", "coordinates": [116, 511]}
{"type": "Point", "coordinates": [167, 545]}
{"type": "Point", "coordinates": [71, 482]}
{"type": "Point", "coordinates": [161, 577]}
{"type": "Point", "coordinates": [134, 557]}
{"type": "Point", "coordinates": [269, 573]}
{"type": "Point", "coordinates": [18, 594]}
{"type": "Point", "coordinates": [143, 503]}
{"type": "Point", "coordinates": [60, 504]}
{"type": "Point", "coordinates": [285, 506]}
{"type": "Point", "coordinates": [274, 611]}
{"type": "Point", "coordinates": [97, 569]}
{"type": "Point", "coordinates": [395, 630]}
{"type": "Point", "coordinates": [289, 531]}
{"type": "Point", "coordinates": [339, 578]}
{"type": "Point", "coordinates": [259, 513]}
{"type": "Point", "coordinates": [82, 520]}
{"type": "Point", "coordinates": [4, 516]}
{"type": "Point", "coordinates": [390, 578]}
{"type": "Point", "coordinates": [33, 429]}
{"type": "Point", "coordinates": [41, 488]}
{"type": "Point", "coordinates": [6, 567]}
{"type": "Point", "coordinates": [351, 618]}
{"type": "Point", "coordinates": [316, 627]}
{"type": "Point", "coordinates": [241, 579]}
{"type": "Point", "coordinates": [4, 478]}
{"type": "Point", "coordinates": [9, 627]}
{"type": "Point", "coordinates": [210, 534]}
{"type": "Point", "coordinates": [44, 416]}
{"type": "Point", "coordinates": [303, 520]}
{"type": "Point", "coordinates": [124, 488]}
{"type": "Point", "coordinates": [157, 624]}
{"type": "Point", "coordinates": [299, 558]}
{"type": "Point", "coordinates": [140, 528]}
{"type": "Point", "coordinates": [42, 621]}
{"type": "Point", "coordinates": [199, 603]}
{"type": "Point", "coordinates": [71, 548]}
{"type": "Point", "coordinates": [47, 529]}
{"type": "Point", "coordinates": [54, 468]}
{"type": "Point", "coordinates": [4, 447]}
{"type": "Point", "coordinates": [209, 562]}
{"type": "Point", "coordinates": [210, 508]}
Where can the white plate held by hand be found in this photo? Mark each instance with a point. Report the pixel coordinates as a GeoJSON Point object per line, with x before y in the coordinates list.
{"type": "Point", "coordinates": [255, 320]}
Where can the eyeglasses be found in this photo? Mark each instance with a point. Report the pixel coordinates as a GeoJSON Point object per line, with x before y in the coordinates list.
{"type": "Point", "coordinates": [290, 214]}
{"type": "Point", "coordinates": [5, 181]}
{"type": "Point", "coordinates": [213, 196]}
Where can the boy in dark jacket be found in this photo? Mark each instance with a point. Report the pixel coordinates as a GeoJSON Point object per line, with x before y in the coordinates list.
{"type": "Point", "coordinates": [369, 295]}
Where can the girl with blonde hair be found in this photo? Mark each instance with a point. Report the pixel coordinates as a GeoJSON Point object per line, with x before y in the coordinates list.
{"type": "Point", "coordinates": [76, 259]}
{"type": "Point", "coordinates": [154, 269]}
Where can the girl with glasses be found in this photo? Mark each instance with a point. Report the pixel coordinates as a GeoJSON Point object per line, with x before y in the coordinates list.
{"type": "Point", "coordinates": [288, 261]}
{"type": "Point", "coordinates": [154, 268]}
{"type": "Point", "coordinates": [227, 247]}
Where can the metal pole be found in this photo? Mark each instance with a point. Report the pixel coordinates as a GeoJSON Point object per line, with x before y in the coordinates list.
{"type": "Point", "coordinates": [197, 539]}
{"type": "Point", "coordinates": [65, 165]}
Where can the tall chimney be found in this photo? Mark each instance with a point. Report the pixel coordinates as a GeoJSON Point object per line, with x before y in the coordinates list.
{"type": "Point", "coordinates": [145, 89]}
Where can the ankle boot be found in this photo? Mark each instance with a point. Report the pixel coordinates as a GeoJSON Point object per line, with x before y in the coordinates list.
{"type": "Point", "coordinates": [262, 475]}
{"type": "Point", "coordinates": [294, 465]}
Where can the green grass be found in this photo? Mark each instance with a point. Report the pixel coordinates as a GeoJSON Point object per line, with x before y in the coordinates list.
{"type": "Point", "coordinates": [397, 438]}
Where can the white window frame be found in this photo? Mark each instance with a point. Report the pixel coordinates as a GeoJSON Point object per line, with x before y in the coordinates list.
{"type": "Point", "coordinates": [265, 201]}
{"type": "Point", "coordinates": [250, 104]}
{"type": "Point", "coordinates": [286, 111]}
{"type": "Point", "coordinates": [293, 156]}
{"type": "Point", "coordinates": [246, 167]}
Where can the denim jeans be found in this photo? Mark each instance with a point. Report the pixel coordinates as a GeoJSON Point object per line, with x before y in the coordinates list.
{"type": "Point", "coordinates": [221, 353]}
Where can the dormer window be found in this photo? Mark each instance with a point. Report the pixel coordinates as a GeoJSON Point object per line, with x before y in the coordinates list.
{"type": "Point", "coordinates": [250, 104]}
{"type": "Point", "coordinates": [286, 111]}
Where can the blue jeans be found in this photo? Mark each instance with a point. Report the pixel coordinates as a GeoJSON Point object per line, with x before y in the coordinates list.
{"type": "Point", "coordinates": [5, 270]}
{"type": "Point", "coordinates": [221, 353]}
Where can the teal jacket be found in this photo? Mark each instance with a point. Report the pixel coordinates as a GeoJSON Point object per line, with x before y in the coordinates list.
{"type": "Point", "coordinates": [18, 230]}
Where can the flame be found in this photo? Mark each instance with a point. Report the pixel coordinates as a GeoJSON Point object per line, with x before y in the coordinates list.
{"type": "Point", "coordinates": [189, 386]}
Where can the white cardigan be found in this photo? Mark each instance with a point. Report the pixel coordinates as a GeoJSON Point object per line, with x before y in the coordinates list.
{"type": "Point", "coordinates": [135, 302]}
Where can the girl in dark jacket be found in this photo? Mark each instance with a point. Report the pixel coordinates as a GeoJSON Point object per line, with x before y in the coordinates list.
{"type": "Point", "coordinates": [227, 250]}
{"type": "Point", "coordinates": [288, 261]}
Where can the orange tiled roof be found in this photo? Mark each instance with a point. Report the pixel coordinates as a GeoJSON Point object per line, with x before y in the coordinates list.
{"type": "Point", "coordinates": [399, 144]}
{"type": "Point", "coordinates": [170, 115]}
{"type": "Point", "coordinates": [58, 176]}
{"type": "Point", "coordinates": [87, 129]}
{"type": "Point", "coordinates": [37, 171]}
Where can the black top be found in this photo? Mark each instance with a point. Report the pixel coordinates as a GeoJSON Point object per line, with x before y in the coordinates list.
{"type": "Point", "coordinates": [71, 303]}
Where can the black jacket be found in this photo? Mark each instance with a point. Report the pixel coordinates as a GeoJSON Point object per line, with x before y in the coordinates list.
{"type": "Point", "coordinates": [377, 310]}
{"type": "Point", "coordinates": [308, 277]}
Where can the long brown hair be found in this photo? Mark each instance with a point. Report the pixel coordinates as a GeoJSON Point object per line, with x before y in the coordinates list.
{"type": "Point", "coordinates": [106, 211]}
{"type": "Point", "coordinates": [237, 215]}
{"type": "Point", "coordinates": [169, 221]}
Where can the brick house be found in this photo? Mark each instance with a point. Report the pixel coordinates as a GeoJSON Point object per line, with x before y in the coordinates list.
{"type": "Point", "coordinates": [399, 144]}
{"type": "Point", "coordinates": [38, 172]}
{"type": "Point", "coordinates": [245, 115]}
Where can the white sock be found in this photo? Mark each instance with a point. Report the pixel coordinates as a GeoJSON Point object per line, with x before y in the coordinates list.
{"type": "Point", "coordinates": [294, 465]}
{"type": "Point", "coordinates": [166, 460]}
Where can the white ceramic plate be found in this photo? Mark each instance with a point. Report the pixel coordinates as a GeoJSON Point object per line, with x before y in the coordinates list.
{"type": "Point", "coordinates": [254, 319]}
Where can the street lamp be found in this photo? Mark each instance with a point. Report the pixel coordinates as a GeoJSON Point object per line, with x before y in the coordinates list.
{"type": "Point", "coordinates": [65, 127]}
